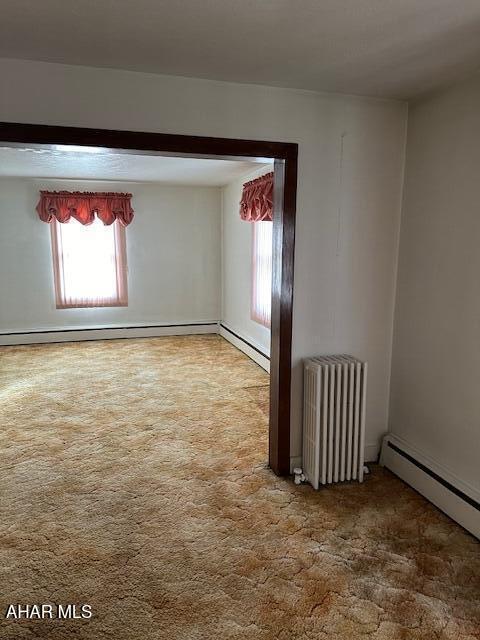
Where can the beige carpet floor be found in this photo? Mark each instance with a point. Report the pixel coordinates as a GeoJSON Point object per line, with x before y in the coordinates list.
{"type": "Point", "coordinates": [133, 479]}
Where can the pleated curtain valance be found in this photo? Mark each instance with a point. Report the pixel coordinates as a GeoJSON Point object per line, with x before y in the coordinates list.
{"type": "Point", "coordinates": [256, 204]}
{"type": "Point", "coordinates": [84, 206]}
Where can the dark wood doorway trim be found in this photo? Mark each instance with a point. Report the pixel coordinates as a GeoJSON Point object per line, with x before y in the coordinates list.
{"type": "Point", "coordinates": [285, 156]}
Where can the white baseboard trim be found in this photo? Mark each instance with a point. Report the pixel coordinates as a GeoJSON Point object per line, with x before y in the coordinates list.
{"type": "Point", "coordinates": [78, 334]}
{"type": "Point", "coordinates": [443, 488]}
{"type": "Point", "coordinates": [245, 345]}
{"type": "Point", "coordinates": [107, 333]}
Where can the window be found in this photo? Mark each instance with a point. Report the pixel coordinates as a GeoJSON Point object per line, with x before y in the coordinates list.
{"type": "Point", "coordinates": [262, 272]}
{"type": "Point", "coordinates": [89, 264]}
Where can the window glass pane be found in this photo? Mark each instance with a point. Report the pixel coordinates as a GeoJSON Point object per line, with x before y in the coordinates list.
{"type": "Point", "coordinates": [262, 272]}
{"type": "Point", "coordinates": [88, 260]}
{"type": "Point", "coordinates": [89, 264]}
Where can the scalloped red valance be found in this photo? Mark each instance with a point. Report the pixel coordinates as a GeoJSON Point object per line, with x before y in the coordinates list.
{"type": "Point", "coordinates": [83, 206]}
{"type": "Point", "coordinates": [257, 199]}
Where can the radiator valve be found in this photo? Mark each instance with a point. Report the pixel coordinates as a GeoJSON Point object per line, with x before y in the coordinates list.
{"type": "Point", "coordinates": [299, 475]}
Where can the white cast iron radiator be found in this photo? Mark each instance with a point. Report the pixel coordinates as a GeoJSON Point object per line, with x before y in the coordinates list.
{"type": "Point", "coordinates": [335, 389]}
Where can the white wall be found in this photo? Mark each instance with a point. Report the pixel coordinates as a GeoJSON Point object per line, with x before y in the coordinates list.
{"type": "Point", "coordinates": [173, 252]}
{"type": "Point", "coordinates": [347, 220]}
{"type": "Point", "coordinates": [435, 402]}
{"type": "Point", "coordinates": [237, 266]}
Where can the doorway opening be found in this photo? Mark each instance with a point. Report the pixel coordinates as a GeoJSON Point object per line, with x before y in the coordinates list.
{"type": "Point", "coordinates": [284, 158]}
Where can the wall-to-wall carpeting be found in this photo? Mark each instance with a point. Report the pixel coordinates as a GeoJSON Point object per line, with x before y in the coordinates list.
{"type": "Point", "coordinates": [133, 478]}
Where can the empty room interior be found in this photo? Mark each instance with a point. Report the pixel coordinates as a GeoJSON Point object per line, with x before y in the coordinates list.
{"type": "Point", "coordinates": [240, 320]}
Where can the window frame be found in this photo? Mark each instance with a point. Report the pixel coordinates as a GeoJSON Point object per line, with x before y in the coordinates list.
{"type": "Point", "coordinates": [121, 268]}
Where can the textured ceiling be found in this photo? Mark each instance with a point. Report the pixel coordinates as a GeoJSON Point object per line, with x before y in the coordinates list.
{"type": "Point", "coordinates": [98, 165]}
{"type": "Point", "coordinates": [388, 48]}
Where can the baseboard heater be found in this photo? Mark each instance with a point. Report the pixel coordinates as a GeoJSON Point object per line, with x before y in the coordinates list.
{"type": "Point", "coordinates": [440, 486]}
{"type": "Point", "coordinates": [246, 342]}
{"type": "Point", "coordinates": [246, 346]}
{"type": "Point", "coordinates": [75, 334]}
{"type": "Point", "coordinates": [335, 389]}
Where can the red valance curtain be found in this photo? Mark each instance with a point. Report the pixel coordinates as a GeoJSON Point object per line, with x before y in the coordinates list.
{"type": "Point", "coordinates": [257, 199]}
{"type": "Point", "coordinates": [83, 206]}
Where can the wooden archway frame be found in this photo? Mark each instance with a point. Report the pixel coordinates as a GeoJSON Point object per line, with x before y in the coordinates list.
{"type": "Point", "coordinates": [285, 168]}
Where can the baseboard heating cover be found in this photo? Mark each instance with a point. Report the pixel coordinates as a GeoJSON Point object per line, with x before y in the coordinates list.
{"type": "Point", "coordinates": [246, 345]}
{"type": "Point", "coordinates": [444, 489]}
{"type": "Point", "coordinates": [73, 334]}
{"type": "Point", "coordinates": [335, 389]}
